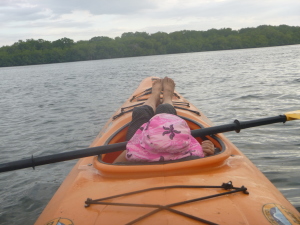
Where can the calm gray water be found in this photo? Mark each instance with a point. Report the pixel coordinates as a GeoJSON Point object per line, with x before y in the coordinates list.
{"type": "Point", "coordinates": [48, 109]}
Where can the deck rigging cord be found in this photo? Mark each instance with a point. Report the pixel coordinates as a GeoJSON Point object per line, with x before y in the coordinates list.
{"type": "Point", "coordinates": [225, 186]}
{"type": "Point", "coordinates": [148, 91]}
{"type": "Point", "coordinates": [139, 104]}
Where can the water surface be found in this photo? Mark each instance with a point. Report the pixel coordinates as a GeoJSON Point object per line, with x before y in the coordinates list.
{"type": "Point", "coordinates": [48, 109]}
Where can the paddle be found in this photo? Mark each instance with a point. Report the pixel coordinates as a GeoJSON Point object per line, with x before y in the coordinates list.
{"type": "Point", "coordinates": [235, 126]}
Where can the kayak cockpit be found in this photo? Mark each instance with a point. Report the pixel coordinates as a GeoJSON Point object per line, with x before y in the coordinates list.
{"type": "Point", "coordinates": [119, 136]}
{"type": "Point", "coordinates": [104, 163]}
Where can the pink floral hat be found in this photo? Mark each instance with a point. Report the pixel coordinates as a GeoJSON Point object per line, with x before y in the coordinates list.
{"type": "Point", "coordinates": [165, 137]}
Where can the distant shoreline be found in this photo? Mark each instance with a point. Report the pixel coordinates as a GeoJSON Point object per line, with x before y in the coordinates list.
{"type": "Point", "coordinates": [35, 52]}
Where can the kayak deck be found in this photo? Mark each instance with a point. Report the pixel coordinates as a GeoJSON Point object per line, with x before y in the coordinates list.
{"type": "Point", "coordinates": [102, 186]}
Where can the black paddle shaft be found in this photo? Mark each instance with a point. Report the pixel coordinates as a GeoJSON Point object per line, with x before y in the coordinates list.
{"type": "Point", "coordinates": [59, 157]}
{"type": "Point", "coordinates": [64, 156]}
{"type": "Point", "coordinates": [237, 126]}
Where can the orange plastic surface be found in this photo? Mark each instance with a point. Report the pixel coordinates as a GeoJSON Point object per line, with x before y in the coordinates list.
{"type": "Point", "coordinates": [91, 178]}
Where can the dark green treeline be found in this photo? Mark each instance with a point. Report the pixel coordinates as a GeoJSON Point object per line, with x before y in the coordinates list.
{"type": "Point", "coordinates": [130, 44]}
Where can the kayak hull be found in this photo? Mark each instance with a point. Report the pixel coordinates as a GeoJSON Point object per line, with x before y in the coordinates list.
{"type": "Point", "coordinates": [96, 178]}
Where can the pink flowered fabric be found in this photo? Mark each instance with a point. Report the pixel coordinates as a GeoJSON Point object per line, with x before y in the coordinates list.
{"type": "Point", "coordinates": [165, 137]}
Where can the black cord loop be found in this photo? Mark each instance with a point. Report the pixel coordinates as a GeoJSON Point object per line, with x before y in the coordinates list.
{"type": "Point", "coordinates": [226, 186]}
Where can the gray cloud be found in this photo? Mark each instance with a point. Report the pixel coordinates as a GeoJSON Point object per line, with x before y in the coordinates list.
{"type": "Point", "coordinates": [19, 13]}
{"type": "Point", "coordinates": [233, 9]}
{"type": "Point", "coordinates": [97, 7]}
{"type": "Point", "coordinates": [32, 10]}
{"type": "Point", "coordinates": [81, 20]}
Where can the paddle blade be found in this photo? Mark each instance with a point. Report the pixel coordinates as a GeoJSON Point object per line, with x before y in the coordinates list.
{"type": "Point", "coordinates": [294, 115]}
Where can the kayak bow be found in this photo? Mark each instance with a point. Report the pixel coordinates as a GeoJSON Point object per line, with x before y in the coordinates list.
{"type": "Point", "coordinates": [225, 188]}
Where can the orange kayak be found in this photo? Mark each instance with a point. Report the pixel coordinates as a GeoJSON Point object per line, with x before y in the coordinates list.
{"type": "Point", "coordinates": [225, 188]}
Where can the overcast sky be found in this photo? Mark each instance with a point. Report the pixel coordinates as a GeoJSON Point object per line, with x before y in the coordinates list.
{"type": "Point", "coordinates": [84, 19]}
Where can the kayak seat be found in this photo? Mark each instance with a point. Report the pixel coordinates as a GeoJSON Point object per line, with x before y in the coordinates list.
{"type": "Point", "coordinates": [119, 136]}
{"type": "Point", "coordinates": [217, 151]}
{"type": "Point", "coordinates": [160, 162]}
